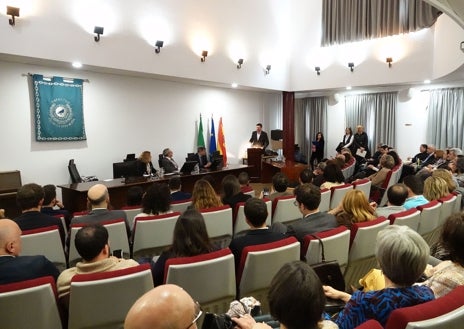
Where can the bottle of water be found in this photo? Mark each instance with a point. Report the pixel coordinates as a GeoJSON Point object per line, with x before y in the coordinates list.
{"type": "Point", "coordinates": [196, 170]}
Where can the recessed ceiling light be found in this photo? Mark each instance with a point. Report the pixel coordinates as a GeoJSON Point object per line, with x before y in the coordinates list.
{"type": "Point", "coordinates": [234, 85]}
{"type": "Point", "coordinates": [348, 87]}
{"type": "Point", "coordinates": [427, 81]}
{"type": "Point", "coordinates": [77, 65]}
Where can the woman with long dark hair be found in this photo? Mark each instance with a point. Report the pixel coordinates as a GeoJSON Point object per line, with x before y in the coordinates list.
{"type": "Point", "coordinates": [317, 149]}
{"type": "Point", "coordinates": [190, 238]}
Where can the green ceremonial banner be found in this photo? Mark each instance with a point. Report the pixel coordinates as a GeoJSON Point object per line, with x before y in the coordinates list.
{"type": "Point", "coordinates": [201, 139]}
{"type": "Point", "coordinates": [58, 107]}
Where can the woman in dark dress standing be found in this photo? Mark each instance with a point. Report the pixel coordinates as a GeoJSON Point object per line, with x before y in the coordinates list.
{"type": "Point", "coordinates": [317, 149]}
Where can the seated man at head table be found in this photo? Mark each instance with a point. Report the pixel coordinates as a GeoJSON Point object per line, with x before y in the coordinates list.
{"type": "Point", "coordinates": [15, 268]}
{"type": "Point", "coordinates": [98, 199]}
{"type": "Point", "coordinates": [92, 245]}
{"type": "Point", "coordinates": [168, 163]}
{"type": "Point", "coordinates": [201, 158]}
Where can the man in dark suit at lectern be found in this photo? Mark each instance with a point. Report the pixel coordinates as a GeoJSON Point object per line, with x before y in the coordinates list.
{"type": "Point", "coordinates": [259, 137]}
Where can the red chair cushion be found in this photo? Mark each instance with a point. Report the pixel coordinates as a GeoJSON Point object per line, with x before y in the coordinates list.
{"type": "Point", "coordinates": [405, 213]}
{"type": "Point", "coordinates": [356, 226]}
{"type": "Point", "coordinates": [110, 274]}
{"type": "Point", "coordinates": [40, 230]}
{"type": "Point", "coordinates": [308, 238]}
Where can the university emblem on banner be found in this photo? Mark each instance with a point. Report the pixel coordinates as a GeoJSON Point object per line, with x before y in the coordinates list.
{"type": "Point", "coordinates": [58, 109]}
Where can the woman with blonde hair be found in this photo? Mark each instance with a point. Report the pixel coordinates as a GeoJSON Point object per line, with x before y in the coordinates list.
{"type": "Point", "coordinates": [447, 176]}
{"type": "Point", "coordinates": [354, 208]}
{"type": "Point", "coordinates": [435, 188]}
{"type": "Point", "coordinates": [204, 196]}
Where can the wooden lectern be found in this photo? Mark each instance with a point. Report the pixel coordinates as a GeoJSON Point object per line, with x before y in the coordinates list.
{"type": "Point", "coordinates": [254, 156]}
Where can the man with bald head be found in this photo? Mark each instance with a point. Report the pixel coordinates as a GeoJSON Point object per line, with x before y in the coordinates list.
{"type": "Point", "coordinates": [14, 268]}
{"type": "Point", "coordinates": [164, 307]}
{"type": "Point", "coordinates": [98, 200]}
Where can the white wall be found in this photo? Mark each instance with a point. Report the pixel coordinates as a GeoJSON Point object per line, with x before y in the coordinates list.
{"type": "Point", "coordinates": [124, 115]}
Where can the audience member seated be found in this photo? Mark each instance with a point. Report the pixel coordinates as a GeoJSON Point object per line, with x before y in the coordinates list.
{"type": "Point", "coordinates": [413, 163]}
{"type": "Point", "coordinates": [319, 174]}
{"type": "Point", "coordinates": [402, 255]}
{"type": "Point", "coordinates": [306, 176]}
{"type": "Point", "coordinates": [415, 188]}
{"type": "Point", "coordinates": [244, 180]}
{"type": "Point", "coordinates": [15, 268]}
{"type": "Point", "coordinates": [375, 160]}
{"type": "Point", "coordinates": [134, 196]}
{"type": "Point", "coordinates": [144, 165]}
{"type": "Point", "coordinates": [440, 159]}
{"type": "Point", "coordinates": [395, 156]}
{"type": "Point", "coordinates": [279, 186]}
{"type": "Point", "coordinates": [201, 158]}
{"type": "Point", "coordinates": [190, 238]}
{"type": "Point", "coordinates": [30, 198]}
{"type": "Point", "coordinates": [308, 198]}
{"type": "Point", "coordinates": [92, 245]}
{"type": "Point", "coordinates": [459, 176]}
{"type": "Point", "coordinates": [156, 201]}
{"type": "Point", "coordinates": [255, 214]}
{"type": "Point", "coordinates": [52, 206]}
{"type": "Point", "coordinates": [354, 208]}
{"type": "Point", "coordinates": [231, 193]}
{"type": "Point", "coordinates": [176, 190]}
{"type": "Point", "coordinates": [164, 307]}
{"type": "Point", "coordinates": [304, 294]}
{"type": "Point", "coordinates": [450, 273]}
{"type": "Point", "coordinates": [168, 163]}
{"type": "Point", "coordinates": [430, 159]}
{"type": "Point", "coordinates": [98, 200]}
{"type": "Point", "coordinates": [397, 195]}
{"type": "Point", "coordinates": [435, 188]}
{"type": "Point", "coordinates": [333, 175]}
{"type": "Point", "coordinates": [204, 196]}
{"type": "Point", "coordinates": [386, 164]}
{"type": "Point", "coordinates": [448, 177]}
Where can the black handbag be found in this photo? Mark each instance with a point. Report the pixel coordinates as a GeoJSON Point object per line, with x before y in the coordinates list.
{"type": "Point", "coordinates": [217, 321]}
{"type": "Point", "coordinates": [330, 274]}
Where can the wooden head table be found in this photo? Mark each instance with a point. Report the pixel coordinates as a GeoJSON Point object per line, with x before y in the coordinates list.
{"type": "Point", "coordinates": [75, 195]}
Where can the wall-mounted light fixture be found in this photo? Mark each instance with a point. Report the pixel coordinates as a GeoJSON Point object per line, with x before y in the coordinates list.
{"type": "Point", "coordinates": [239, 63]}
{"type": "Point", "coordinates": [98, 30]}
{"type": "Point", "coordinates": [13, 12]}
{"type": "Point", "coordinates": [158, 45]}
{"type": "Point", "coordinates": [204, 54]}
{"type": "Point", "coordinates": [267, 69]}
{"type": "Point", "coordinates": [318, 70]}
{"type": "Point", "coordinates": [389, 61]}
{"type": "Point", "coordinates": [351, 66]}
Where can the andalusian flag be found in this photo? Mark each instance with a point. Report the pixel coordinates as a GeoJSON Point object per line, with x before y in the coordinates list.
{"type": "Point", "coordinates": [200, 139]}
{"type": "Point", "coordinates": [212, 139]}
{"type": "Point", "coordinates": [221, 142]}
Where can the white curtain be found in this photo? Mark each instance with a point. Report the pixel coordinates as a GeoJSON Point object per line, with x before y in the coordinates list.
{"type": "Point", "coordinates": [377, 113]}
{"type": "Point", "coordinates": [310, 118]}
{"type": "Point", "coordinates": [445, 120]}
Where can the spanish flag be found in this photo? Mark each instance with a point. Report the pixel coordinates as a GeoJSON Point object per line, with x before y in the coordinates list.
{"type": "Point", "coordinates": [221, 142]}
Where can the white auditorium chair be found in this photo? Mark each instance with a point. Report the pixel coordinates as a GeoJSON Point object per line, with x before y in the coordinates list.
{"type": "Point", "coordinates": [131, 212]}
{"type": "Point", "coordinates": [259, 264]}
{"type": "Point", "coordinates": [151, 234]}
{"type": "Point", "coordinates": [429, 221]}
{"type": "Point", "coordinates": [218, 221]}
{"type": "Point", "coordinates": [284, 209]}
{"type": "Point", "coordinates": [338, 193]}
{"type": "Point", "coordinates": [364, 185]}
{"type": "Point", "coordinates": [44, 241]}
{"type": "Point", "coordinates": [336, 246]}
{"type": "Point", "coordinates": [181, 205]}
{"type": "Point", "coordinates": [325, 200]}
{"type": "Point", "coordinates": [102, 300]}
{"type": "Point", "coordinates": [30, 304]}
{"type": "Point", "coordinates": [361, 257]}
{"type": "Point", "coordinates": [410, 218]}
{"type": "Point", "coordinates": [208, 278]}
